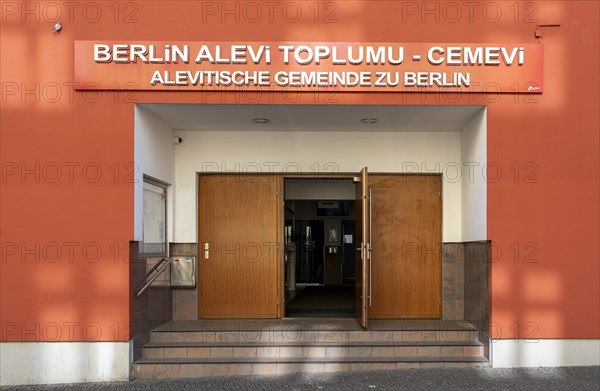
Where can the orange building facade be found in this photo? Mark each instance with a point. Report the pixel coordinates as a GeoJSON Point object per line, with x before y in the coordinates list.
{"type": "Point", "coordinates": [79, 136]}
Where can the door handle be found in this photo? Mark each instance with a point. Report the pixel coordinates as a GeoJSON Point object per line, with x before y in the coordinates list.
{"type": "Point", "coordinates": [370, 247]}
{"type": "Point", "coordinates": [206, 252]}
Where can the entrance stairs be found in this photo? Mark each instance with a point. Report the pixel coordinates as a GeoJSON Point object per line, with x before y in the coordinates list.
{"type": "Point", "coordinates": [181, 349]}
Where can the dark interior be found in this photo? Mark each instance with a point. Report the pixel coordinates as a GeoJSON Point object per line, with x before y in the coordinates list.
{"type": "Point", "coordinates": [322, 301]}
{"type": "Point", "coordinates": [321, 250]}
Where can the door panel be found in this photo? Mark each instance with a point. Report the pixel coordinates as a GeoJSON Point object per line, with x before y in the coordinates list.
{"type": "Point", "coordinates": [407, 234]}
{"type": "Point", "coordinates": [363, 246]}
{"type": "Point", "coordinates": [238, 218]}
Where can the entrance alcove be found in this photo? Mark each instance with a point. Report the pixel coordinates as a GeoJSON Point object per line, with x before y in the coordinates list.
{"type": "Point", "coordinates": [318, 140]}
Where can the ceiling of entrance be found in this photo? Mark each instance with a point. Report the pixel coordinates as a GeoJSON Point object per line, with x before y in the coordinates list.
{"type": "Point", "coordinates": [313, 117]}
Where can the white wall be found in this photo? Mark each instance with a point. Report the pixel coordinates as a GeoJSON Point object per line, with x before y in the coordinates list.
{"type": "Point", "coordinates": [510, 353]}
{"type": "Point", "coordinates": [243, 151]}
{"type": "Point", "coordinates": [63, 362]}
{"type": "Point", "coordinates": [474, 186]}
{"type": "Point", "coordinates": [154, 155]}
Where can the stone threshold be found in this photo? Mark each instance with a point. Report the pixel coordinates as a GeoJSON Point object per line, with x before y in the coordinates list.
{"type": "Point", "coordinates": [301, 344]}
{"type": "Point", "coordinates": [312, 324]}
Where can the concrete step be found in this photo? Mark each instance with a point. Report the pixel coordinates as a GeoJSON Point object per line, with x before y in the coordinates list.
{"type": "Point", "coordinates": [340, 349]}
{"type": "Point", "coordinates": [231, 347]}
{"type": "Point", "coordinates": [314, 336]}
{"type": "Point", "coordinates": [165, 368]}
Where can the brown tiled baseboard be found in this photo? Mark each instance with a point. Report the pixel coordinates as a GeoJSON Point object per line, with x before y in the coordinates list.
{"type": "Point", "coordinates": [153, 308]}
{"type": "Point", "coordinates": [453, 281]}
{"type": "Point", "coordinates": [477, 290]}
{"type": "Point", "coordinates": [185, 301]}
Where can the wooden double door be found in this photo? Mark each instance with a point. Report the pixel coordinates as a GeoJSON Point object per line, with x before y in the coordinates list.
{"type": "Point", "coordinates": [398, 244]}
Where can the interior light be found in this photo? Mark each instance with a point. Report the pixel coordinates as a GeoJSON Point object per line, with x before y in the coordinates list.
{"type": "Point", "coordinates": [261, 120]}
{"type": "Point", "coordinates": [369, 120]}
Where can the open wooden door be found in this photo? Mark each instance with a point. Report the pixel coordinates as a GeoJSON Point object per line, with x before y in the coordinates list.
{"type": "Point", "coordinates": [363, 243]}
{"type": "Point", "coordinates": [239, 254]}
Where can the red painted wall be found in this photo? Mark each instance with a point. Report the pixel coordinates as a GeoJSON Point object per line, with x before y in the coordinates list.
{"type": "Point", "coordinates": [67, 207]}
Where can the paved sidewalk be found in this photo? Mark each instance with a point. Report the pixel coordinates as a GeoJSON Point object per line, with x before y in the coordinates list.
{"type": "Point", "coordinates": [534, 379]}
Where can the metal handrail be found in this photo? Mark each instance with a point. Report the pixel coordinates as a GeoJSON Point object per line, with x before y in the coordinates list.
{"type": "Point", "coordinates": [163, 265]}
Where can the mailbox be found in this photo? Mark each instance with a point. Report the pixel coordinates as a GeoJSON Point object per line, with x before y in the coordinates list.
{"type": "Point", "coordinates": [183, 272]}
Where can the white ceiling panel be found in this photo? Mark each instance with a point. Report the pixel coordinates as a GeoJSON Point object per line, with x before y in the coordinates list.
{"type": "Point", "coordinates": [328, 118]}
